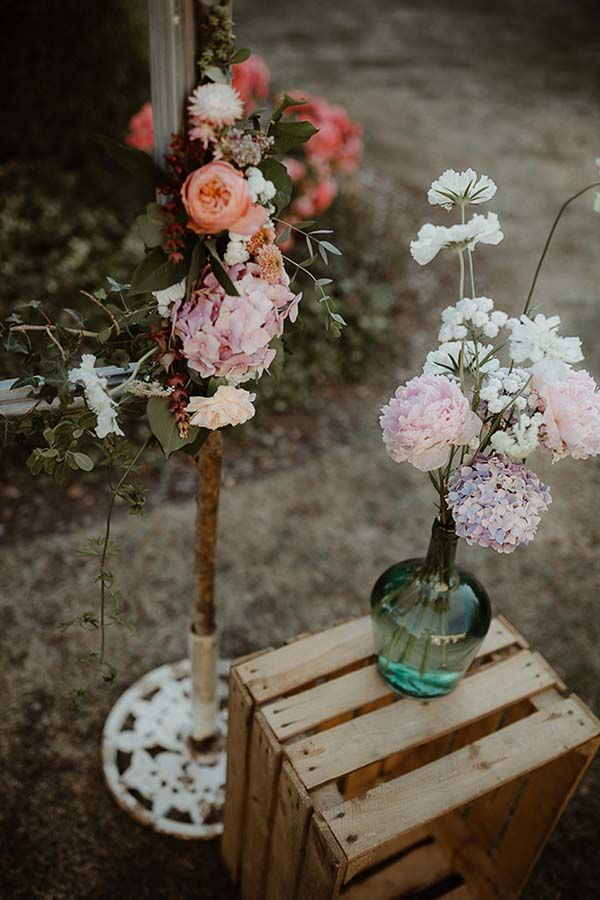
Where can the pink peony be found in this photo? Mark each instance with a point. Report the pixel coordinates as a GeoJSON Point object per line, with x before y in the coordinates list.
{"type": "Point", "coordinates": [217, 197]}
{"type": "Point", "coordinates": [570, 404]}
{"type": "Point", "coordinates": [338, 141]}
{"type": "Point", "coordinates": [424, 419]}
{"type": "Point", "coordinates": [251, 81]}
{"type": "Point", "coordinates": [229, 337]}
{"type": "Point", "coordinates": [141, 129]}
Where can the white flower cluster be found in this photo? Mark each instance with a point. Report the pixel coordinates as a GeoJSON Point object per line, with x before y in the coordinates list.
{"type": "Point", "coordinates": [537, 339]}
{"type": "Point", "coordinates": [477, 312]}
{"type": "Point", "coordinates": [236, 251]}
{"type": "Point", "coordinates": [459, 188]}
{"type": "Point", "coordinates": [168, 296]}
{"type": "Point", "coordinates": [96, 395]}
{"type": "Point", "coordinates": [433, 238]}
{"type": "Point", "coordinates": [446, 360]}
{"type": "Point", "coordinates": [521, 437]}
{"type": "Point", "coordinates": [261, 190]}
{"type": "Point", "coordinates": [501, 386]}
{"type": "Point", "coordinates": [139, 388]}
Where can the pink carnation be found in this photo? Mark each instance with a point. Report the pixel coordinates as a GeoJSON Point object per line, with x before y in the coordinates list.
{"type": "Point", "coordinates": [141, 129]}
{"type": "Point", "coordinates": [570, 403]}
{"type": "Point", "coordinates": [251, 81]}
{"type": "Point", "coordinates": [229, 337]}
{"type": "Point", "coordinates": [338, 141]}
{"type": "Point", "coordinates": [424, 419]}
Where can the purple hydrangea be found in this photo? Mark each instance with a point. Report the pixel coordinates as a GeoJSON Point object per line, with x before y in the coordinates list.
{"type": "Point", "coordinates": [497, 503]}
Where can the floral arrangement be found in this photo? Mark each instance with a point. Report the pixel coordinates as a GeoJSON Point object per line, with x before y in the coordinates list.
{"type": "Point", "coordinates": [204, 312]}
{"type": "Point", "coordinates": [495, 390]}
{"type": "Point", "coordinates": [316, 166]}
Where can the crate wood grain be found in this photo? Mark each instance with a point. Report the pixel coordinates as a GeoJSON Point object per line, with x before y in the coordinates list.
{"type": "Point", "coordinates": [337, 787]}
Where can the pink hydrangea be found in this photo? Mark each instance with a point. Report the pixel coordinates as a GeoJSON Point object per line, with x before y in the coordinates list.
{"type": "Point", "coordinates": [426, 418]}
{"type": "Point", "coordinates": [229, 337]}
{"type": "Point", "coordinates": [251, 80]}
{"type": "Point", "coordinates": [570, 405]}
{"type": "Point", "coordinates": [141, 129]}
{"type": "Point", "coordinates": [497, 503]}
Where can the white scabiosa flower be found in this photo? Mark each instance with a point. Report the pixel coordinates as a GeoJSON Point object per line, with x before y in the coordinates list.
{"type": "Point", "coordinates": [433, 238]}
{"type": "Point", "coordinates": [537, 339]}
{"type": "Point", "coordinates": [218, 104]}
{"type": "Point", "coordinates": [446, 360]}
{"type": "Point", "coordinates": [458, 188]}
{"type": "Point", "coordinates": [96, 395]}
{"type": "Point", "coordinates": [168, 296]}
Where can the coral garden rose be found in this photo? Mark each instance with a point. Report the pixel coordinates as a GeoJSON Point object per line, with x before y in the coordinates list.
{"type": "Point", "coordinates": [230, 337]}
{"type": "Point", "coordinates": [251, 80]}
{"type": "Point", "coordinates": [570, 404]}
{"type": "Point", "coordinates": [426, 418]}
{"type": "Point", "coordinates": [217, 197]}
{"type": "Point", "coordinates": [228, 406]}
{"type": "Point", "coordinates": [338, 141]}
{"type": "Point", "coordinates": [141, 129]}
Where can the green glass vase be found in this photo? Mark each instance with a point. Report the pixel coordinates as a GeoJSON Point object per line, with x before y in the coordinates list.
{"type": "Point", "coordinates": [429, 619]}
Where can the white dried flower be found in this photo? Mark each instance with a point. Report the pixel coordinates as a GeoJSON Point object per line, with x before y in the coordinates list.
{"type": "Point", "coordinates": [168, 296]}
{"type": "Point", "coordinates": [433, 238]}
{"type": "Point", "coordinates": [96, 395]}
{"type": "Point", "coordinates": [453, 188]}
{"type": "Point", "coordinates": [447, 358]}
{"type": "Point", "coordinates": [140, 388]}
{"type": "Point", "coordinates": [218, 104]}
{"type": "Point", "coordinates": [537, 339]}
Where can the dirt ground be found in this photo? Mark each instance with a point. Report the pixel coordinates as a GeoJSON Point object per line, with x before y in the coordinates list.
{"type": "Point", "coordinates": [307, 525]}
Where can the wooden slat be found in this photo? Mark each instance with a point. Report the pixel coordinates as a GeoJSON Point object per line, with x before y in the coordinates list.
{"type": "Point", "coordinates": [307, 710]}
{"type": "Point", "coordinates": [365, 825]}
{"type": "Point", "coordinates": [304, 661]}
{"type": "Point", "coordinates": [292, 815]}
{"type": "Point", "coordinates": [360, 742]}
{"type": "Point", "coordinates": [263, 774]}
{"type": "Point", "coordinates": [417, 870]}
{"type": "Point", "coordinates": [239, 716]}
{"type": "Point", "coordinates": [470, 856]}
{"type": "Point", "coordinates": [323, 869]}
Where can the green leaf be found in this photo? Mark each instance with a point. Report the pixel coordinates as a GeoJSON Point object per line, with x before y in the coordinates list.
{"type": "Point", "coordinates": [240, 56]}
{"type": "Point", "coordinates": [164, 427]}
{"type": "Point", "coordinates": [277, 173]}
{"type": "Point", "coordinates": [82, 461]}
{"type": "Point", "coordinates": [286, 102]}
{"type": "Point", "coordinates": [149, 231]}
{"type": "Point", "coordinates": [288, 135]}
{"type": "Point", "coordinates": [332, 249]}
{"type": "Point", "coordinates": [219, 270]}
{"type": "Point", "coordinates": [104, 335]}
{"type": "Point", "coordinates": [217, 75]}
{"type": "Point", "coordinates": [136, 162]}
{"type": "Point", "coordinates": [337, 318]}
{"type": "Point", "coordinates": [194, 448]}
{"type": "Point", "coordinates": [197, 261]}
{"type": "Point", "coordinates": [155, 273]}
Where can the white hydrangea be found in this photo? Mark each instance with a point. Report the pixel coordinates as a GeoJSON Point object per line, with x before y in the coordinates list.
{"type": "Point", "coordinates": [166, 298]}
{"type": "Point", "coordinates": [537, 339]}
{"type": "Point", "coordinates": [433, 238]}
{"type": "Point", "coordinates": [446, 359]}
{"type": "Point", "coordinates": [521, 438]}
{"type": "Point", "coordinates": [476, 312]}
{"type": "Point", "coordinates": [218, 104]}
{"type": "Point", "coordinates": [453, 188]}
{"type": "Point", "coordinates": [236, 251]}
{"type": "Point", "coordinates": [261, 190]}
{"type": "Point", "coordinates": [501, 386]}
{"type": "Point", "coordinates": [96, 395]}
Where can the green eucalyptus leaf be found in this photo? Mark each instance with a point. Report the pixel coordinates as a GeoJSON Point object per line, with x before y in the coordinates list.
{"type": "Point", "coordinates": [164, 427]}
{"type": "Point", "coordinates": [155, 273]}
{"type": "Point", "coordinates": [82, 460]}
{"type": "Point", "coordinates": [277, 173]}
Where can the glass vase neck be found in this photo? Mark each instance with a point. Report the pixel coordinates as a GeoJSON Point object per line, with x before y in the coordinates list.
{"type": "Point", "coordinates": [441, 553]}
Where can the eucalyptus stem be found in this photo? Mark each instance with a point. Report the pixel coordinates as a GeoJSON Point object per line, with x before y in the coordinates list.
{"type": "Point", "coordinates": [105, 545]}
{"type": "Point", "coordinates": [549, 238]}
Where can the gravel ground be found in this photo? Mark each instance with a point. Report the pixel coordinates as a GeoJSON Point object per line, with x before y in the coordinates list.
{"type": "Point", "coordinates": [307, 523]}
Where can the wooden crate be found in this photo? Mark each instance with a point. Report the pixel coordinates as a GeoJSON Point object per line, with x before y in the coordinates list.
{"type": "Point", "coordinates": [336, 787]}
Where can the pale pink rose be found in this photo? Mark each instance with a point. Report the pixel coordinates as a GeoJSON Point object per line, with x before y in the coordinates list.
{"type": "Point", "coordinates": [251, 80]}
{"type": "Point", "coordinates": [426, 418]}
{"type": "Point", "coordinates": [570, 403]}
{"type": "Point", "coordinates": [141, 129]}
{"type": "Point", "coordinates": [217, 197]}
{"type": "Point", "coordinates": [229, 337]}
{"type": "Point", "coordinates": [228, 406]}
